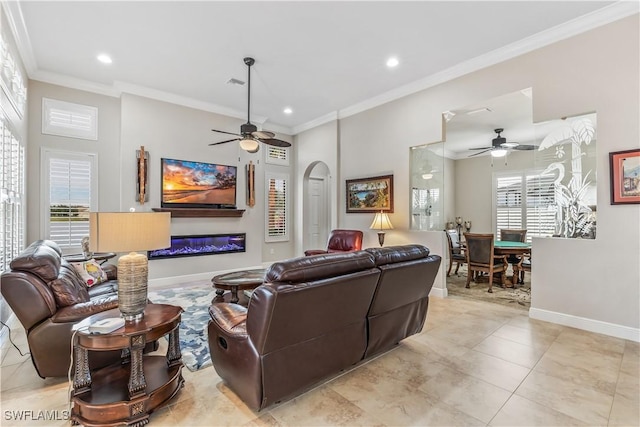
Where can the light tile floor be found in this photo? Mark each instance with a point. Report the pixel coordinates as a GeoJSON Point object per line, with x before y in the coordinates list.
{"type": "Point", "coordinates": [476, 363]}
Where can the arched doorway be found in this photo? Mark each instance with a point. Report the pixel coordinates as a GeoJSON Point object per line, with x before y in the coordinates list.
{"type": "Point", "coordinates": [316, 205]}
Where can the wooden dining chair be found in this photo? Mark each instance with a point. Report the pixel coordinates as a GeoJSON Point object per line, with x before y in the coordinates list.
{"type": "Point", "coordinates": [480, 258]}
{"type": "Point", "coordinates": [524, 265]}
{"type": "Point", "coordinates": [455, 251]}
{"type": "Point", "coordinates": [513, 235]}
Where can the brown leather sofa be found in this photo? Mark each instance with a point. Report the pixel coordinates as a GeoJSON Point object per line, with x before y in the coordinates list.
{"type": "Point", "coordinates": [315, 316]}
{"type": "Point", "coordinates": [48, 298]}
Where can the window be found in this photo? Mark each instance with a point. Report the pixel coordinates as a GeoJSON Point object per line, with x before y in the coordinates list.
{"type": "Point", "coordinates": [11, 79]}
{"type": "Point", "coordinates": [69, 119]}
{"type": "Point", "coordinates": [277, 155]}
{"type": "Point", "coordinates": [12, 195]}
{"type": "Point", "coordinates": [277, 212]}
{"type": "Point", "coordinates": [70, 189]}
{"type": "Point", "coordinates": [525, 200]}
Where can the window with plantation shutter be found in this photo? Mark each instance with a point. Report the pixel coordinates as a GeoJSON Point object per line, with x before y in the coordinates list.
{"type": "Point", "coordinates": [277, 155]}
{"type": "Point", "coordinates": [525, 200]}
{"type": "Point", "coordinates": [69, 119]}
{"type": "Point", "coordinates": [71, 193]}
{"type": "Point", "coordinates": [12, 194]}
{"type": "Point", "coordinates": [277, 211]}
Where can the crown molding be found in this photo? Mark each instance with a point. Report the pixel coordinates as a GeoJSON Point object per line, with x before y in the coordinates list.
{"type": "Point", "coordinates": [614, 12]}
{"type": "Point", "coordinates": [332, 116]}
{"type": "Point", "coordinates": [13, 12]}
{"type": "Point", "coordinates": [74, 83]}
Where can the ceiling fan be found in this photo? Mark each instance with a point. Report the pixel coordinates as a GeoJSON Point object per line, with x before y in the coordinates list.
{"type": "Point", "coordinates": [249, 135]}
{"type": "Point", "coordinates": [500, 146]}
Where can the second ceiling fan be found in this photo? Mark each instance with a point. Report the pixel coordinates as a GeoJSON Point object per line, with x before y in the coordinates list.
{"type": "Point", "coordinates": [500, 146]}
{"type": "Point", "coordinates": [249, 135]}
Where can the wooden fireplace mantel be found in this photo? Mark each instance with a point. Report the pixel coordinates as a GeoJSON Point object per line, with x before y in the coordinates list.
{"type": "Point", "coordinates": [201, 212]}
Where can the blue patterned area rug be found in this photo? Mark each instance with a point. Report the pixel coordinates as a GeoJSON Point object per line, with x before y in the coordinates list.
{"type": "Point", "coordinates": [193, 330]}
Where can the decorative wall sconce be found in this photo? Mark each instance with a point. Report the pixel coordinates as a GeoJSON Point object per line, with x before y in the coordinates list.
{"type": "Point", "coordinates": [142, 159]}
{"type": "Point", "coordinates": [467, 226]}
{"type": "Point", "coordinates": [251, 185]}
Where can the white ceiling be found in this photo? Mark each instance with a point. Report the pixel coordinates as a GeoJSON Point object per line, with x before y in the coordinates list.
{"type": "Point", "coordinates": [323, 59]}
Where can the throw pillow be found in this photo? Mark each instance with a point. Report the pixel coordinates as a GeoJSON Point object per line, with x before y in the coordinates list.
{"type": "Point", "coordinates": [90, 272]}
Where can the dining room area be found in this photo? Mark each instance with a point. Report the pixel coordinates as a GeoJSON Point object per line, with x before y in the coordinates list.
{"type": "Point", "coordinates": [497, 182]}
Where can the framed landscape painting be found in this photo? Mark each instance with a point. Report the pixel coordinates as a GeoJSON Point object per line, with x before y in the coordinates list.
{"type": "Point", "coordinates": [370, 195]}
{"type": "Point", "coordinates": [625, 176]}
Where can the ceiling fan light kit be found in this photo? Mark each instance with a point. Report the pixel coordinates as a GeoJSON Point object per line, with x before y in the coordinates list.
{"type": "Point", "coordinates": [500, 146]}
{"type": "Point", "coordinates": [250, 137]}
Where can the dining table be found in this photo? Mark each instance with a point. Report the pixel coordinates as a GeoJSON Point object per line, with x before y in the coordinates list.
{"type": "Point", "coordinates": [505, 247]}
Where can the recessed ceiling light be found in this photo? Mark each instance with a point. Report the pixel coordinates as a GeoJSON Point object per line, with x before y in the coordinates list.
{"type": "Point", "coordinates": [104, 58]}
{"type": "Point", "coordinates": [288, 110]}
{"type": "Point", "coordinates": [392, 62]}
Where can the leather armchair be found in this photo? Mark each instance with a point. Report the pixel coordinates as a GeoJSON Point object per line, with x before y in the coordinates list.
{"type": "Point", "coordinates": [48, 298]}
{"type": "Point", "coordinates": [340, 241]}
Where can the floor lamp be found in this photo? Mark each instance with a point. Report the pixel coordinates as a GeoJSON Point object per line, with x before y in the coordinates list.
{"type": "Point", "coordinates": [130, 232]}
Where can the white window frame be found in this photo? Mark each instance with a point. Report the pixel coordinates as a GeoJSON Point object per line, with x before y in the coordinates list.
{"type": "Point", "coordinates": [287, 207]}
{"type": "Point", "coordinates": [12, 194]}
{"type": "Point", "coordinates": [277, 155]}
{"type": "Point", "coordinates": [524, 217]}
{"type": "Point", "coordinates": [63, 118]}
{"type": "Point", "coordinates": [45, 186]}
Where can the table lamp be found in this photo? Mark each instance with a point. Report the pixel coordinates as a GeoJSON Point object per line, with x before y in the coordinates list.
{"type": "Point", "coordinates": [381, 222]}
{"type": "Point", "coordinates": [130, 232]}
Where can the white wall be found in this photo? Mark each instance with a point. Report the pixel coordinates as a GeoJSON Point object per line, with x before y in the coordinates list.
{"type": "Point", "coordinates": [107, 148]}
{"type": "Point", "coordinates": [172, 131]}
{"type": "Point", "coordinates": [593, 283]}
{"type": "Point", "coordinates": [319, 144]}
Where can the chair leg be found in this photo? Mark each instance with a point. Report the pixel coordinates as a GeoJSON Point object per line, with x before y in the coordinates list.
{"type": "Point", "coordinates": [490, 290]}
{"type": "Point", "coordinates": [450, 265]}
{"type": "Point", "coordinates": [469, 274]}
{"type": "Point", "coordinates": [457, 268]}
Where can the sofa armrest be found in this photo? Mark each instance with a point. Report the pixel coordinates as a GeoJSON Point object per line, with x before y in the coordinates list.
{"type": "Point", "coordinates": [230, 318]}
{"type": "Point", "coordinates": [81, 311]}
{"type": "Point", "coordinates": [310, 252]}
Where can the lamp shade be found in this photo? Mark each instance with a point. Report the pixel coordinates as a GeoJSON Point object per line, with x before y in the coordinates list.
{"type": "Point", "coordinates": [381, 222]}
{"type": "Point", "coordinates": [249, 144]}
{"type": "Point", "coordinates": [129, 231]}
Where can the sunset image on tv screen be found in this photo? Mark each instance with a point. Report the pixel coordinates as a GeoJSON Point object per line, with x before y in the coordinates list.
{"type": "Point", "coordinates": [198, 183]}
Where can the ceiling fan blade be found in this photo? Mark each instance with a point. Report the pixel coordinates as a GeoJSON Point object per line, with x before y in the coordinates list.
{"type": "Point", "coordinates": [482, 152]}
{"type": "Point", "coordinates": [275, 142]}
{"type": "Point", "coordinates": [228, 133]}
{"type": "Point", "coordinates": [481, 148]}
{"type": "Point", "coordinates": [525, 147]}
{"type": "Point", "coordinates": [262, 134]}
{"type": "Point", "coordinates": [224, 142]}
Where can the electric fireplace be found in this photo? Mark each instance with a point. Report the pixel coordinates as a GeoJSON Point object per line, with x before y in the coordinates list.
{"type": "Point", "coordinates": [206, 244]}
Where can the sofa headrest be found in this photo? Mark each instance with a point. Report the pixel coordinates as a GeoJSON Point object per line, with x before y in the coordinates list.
{"type": "Point", "coordinates": [306, 269]}
{"type": "Point", "coordinates": [41, 258]}
{"type": "Point", "coordinates": [393, 254]}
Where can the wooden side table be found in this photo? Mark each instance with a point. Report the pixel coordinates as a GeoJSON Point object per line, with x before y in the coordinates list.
{"type": "Point", "coordinates": [126, 393]}
{"type": "Point", "coordinates": [237, 281]}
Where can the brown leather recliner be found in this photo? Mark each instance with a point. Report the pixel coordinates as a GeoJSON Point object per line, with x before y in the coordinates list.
{"type": "Point", "coordinates": [315, 316]}
{"type": "Point", "coordinates": [340, 241]}
{"type": "Point", "coordinates": [48, 298]}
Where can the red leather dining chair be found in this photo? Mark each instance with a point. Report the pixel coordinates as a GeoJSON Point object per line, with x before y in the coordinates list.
{"type": "Point", "coordinates": [340, 241]}
{"type": "Point", "coordinates": [480, 258]}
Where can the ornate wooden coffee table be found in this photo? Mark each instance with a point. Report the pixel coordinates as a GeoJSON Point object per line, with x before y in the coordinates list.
{"type": "Point", "coordinates": [237, 281]}
{"type": "Point", "coordinates": [126, 393]}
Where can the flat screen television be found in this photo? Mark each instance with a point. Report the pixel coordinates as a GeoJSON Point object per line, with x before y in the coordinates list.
{"type": "Point", "coordinates": [187, 184]}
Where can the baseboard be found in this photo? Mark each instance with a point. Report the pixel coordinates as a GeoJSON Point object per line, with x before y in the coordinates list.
{"type": "Point", "coordinates": [177, 280]}
{"type": "Point", "coordinates": [591, 325]}
{"type": "Point", "coordinates": [438, 292]}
